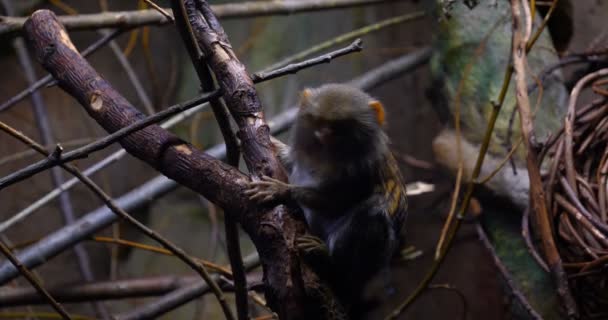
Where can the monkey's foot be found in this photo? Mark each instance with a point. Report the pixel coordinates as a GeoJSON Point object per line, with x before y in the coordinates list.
{"type": "Point", "coordinates": [311, 245]}
{"type": "Point", "coordinates": [332, 308]}
{"type": "Point", "coordinates": [267, 189]}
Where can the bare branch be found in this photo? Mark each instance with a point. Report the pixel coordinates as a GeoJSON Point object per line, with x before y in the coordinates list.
{"type": "Point", "coordinates": [153, 17]}
{"type": "Point", "coordinates": [29, 276]}
{"type": "Point", "coordinates": [108, 290]}
{"type": "Point", "coordinates": [537, 197]}
{"type": "Point", "coordinates": [293, 68]}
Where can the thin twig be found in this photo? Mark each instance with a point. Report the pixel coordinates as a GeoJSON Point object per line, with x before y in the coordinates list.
{"type": "Point", "coordinates": [161, 10]}
{"type": "Point", "coordinates": [12, 25]}
{"type": "Point", "coordinates": [356, 46]}
{"type": "Point", "coordinates": [33, 281]}
{"type": "Point", "coordinates": [525, 233]}
{"type": "Point", "coordinates": [349, 36]}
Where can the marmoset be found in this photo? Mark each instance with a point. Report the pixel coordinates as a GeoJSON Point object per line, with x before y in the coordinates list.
{"type": "Point", "coordinates": [346, 181]}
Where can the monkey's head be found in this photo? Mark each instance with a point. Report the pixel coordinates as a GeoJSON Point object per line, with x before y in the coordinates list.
{"type": "Point", "coordinates": [339, 123]}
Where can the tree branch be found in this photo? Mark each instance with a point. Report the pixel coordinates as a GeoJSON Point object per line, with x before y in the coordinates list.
{"type": "Point", "coordinates": [12, 25]}
{"type": "Point", "coordinates": [232, 150]}
{"type": "Point", "coordinates": [537, 196]}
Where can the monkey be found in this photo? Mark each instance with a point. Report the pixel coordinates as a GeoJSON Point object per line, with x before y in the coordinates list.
{"type": "Point", "coordinates": [345, 179]}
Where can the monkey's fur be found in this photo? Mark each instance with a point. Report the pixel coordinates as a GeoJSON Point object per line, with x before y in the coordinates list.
{"type": "Point", "coordinates": [347, 183]}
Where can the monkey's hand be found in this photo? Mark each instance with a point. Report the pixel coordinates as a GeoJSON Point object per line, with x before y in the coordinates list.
{"type": "Point", "coordinates": [268, 189]}
{"type": "Point", "coordinates": [315, 253]}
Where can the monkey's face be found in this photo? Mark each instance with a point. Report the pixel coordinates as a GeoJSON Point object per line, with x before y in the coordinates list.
{"type": "Point", "coordinates": [337, 122]}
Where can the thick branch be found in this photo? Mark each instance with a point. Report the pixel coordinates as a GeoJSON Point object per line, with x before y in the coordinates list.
{"type": "Point", "coordinates": [173, 157]}
{"type": "Point", "coordinates": [289, 283]}
{"type": "Point", "coordinates": [233, 154]}
{"type": "Point", "coordinates": [153, 17]}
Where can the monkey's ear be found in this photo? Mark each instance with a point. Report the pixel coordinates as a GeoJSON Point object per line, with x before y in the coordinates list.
{"type": "Point", "coordinates": [305, 96]}
{"type": "Point", "coordinates": [378, 108]}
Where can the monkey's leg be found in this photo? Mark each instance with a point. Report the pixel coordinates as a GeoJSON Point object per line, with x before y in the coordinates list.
{"type": "Point", "coordinates": [310, 244]}
{"type": "Point", "coordinates": [315, 253]}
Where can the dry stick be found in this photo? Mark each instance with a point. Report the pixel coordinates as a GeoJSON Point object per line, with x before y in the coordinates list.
{"type": "Point", "coordinates": [161, 10]}
{"type": "Point", "coordinates": [22, 155]}
{"type": "Point", "coordinates": [178, 252]}
{"type": "Point", "coordinates": [152, 17]}
{"type": "Point", "coordinates": [137, 245]}
{"type": "Point", "coordinates": [474, 176]}
{"type": "Point", "coordinates": [293, 68]}
{"type": "Point", "coordinates": [537, 197]}
{"type": "Point", "coordinates": [222, 117]}
{"type": "Point", "coordinates": [387, 72]}
{"type": "Point", "coordinates": [33, 281]}
{"type": "Point", "coordinates": [345, 37]}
